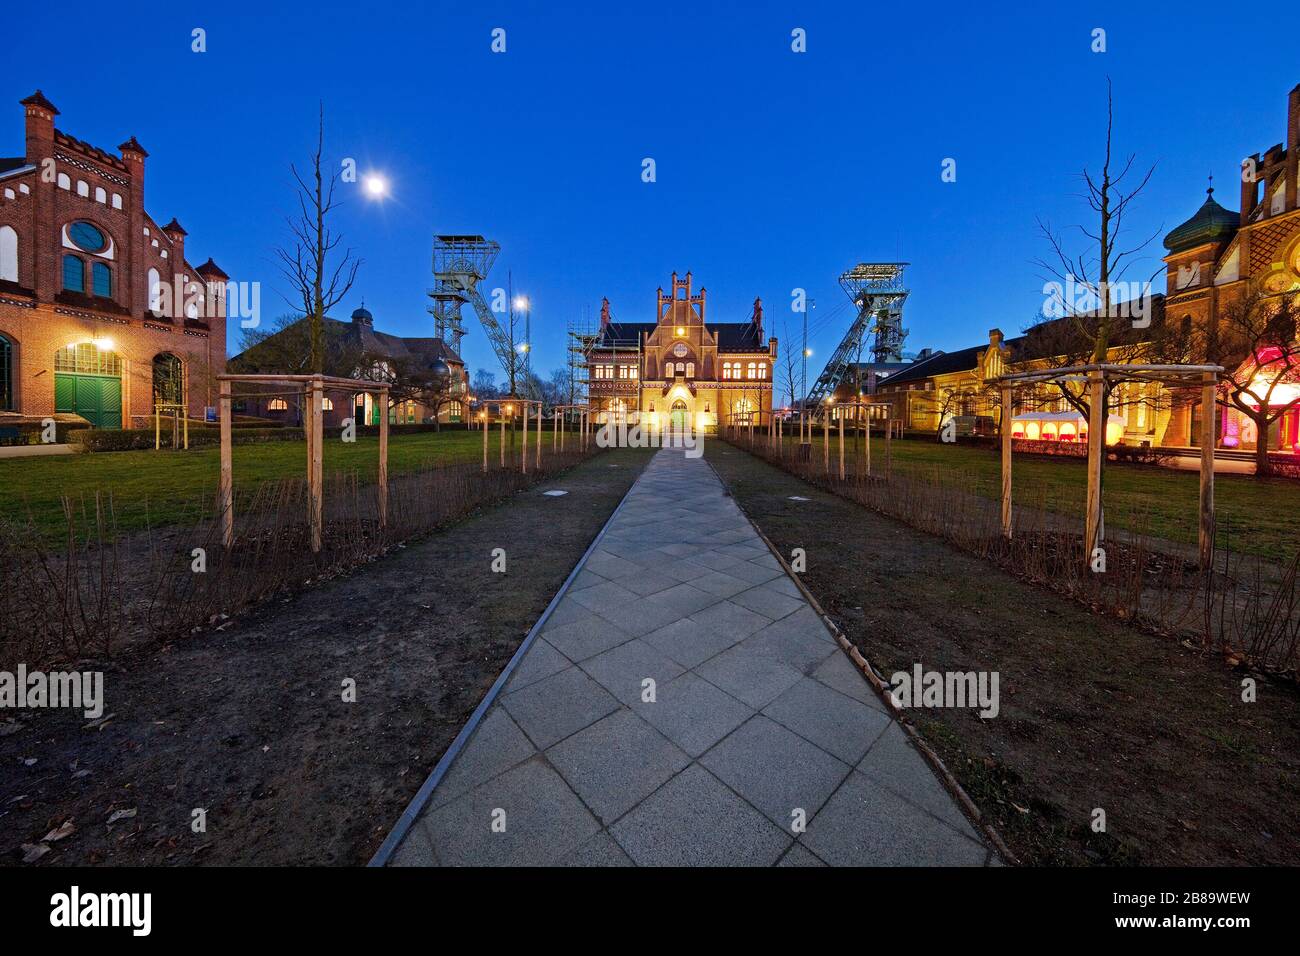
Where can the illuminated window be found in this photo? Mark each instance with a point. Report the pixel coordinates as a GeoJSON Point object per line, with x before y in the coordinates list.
{"type": "Point", "coordinates": [8, 254]}
{"type": "Point", "coordinates": [751, 370]}
{"type": "Point", "coordinates": [762, 370]}
{"type": "Point", "coordinates": [277, 405]}
{"type": "Point", "coordinates": [690, 369]}
{"type": "Point", "coordinates": [726, 370]}
{"type": "Point", "coordinates": [668, 369]}
{"type": "Point", "coordinates": [327, 404]}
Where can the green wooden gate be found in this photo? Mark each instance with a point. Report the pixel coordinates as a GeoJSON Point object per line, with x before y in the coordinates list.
{"type": "Point", "coordinates": [88, 382]}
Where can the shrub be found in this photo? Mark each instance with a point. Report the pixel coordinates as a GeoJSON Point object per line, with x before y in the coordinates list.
{"type": "Point", "coordinates": [139, 439]}
{"type": "Point", "coordinates": [29, 432]}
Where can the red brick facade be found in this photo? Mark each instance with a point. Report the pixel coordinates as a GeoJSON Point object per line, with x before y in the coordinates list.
{"type": "Point", "coordinates": [60, 181]}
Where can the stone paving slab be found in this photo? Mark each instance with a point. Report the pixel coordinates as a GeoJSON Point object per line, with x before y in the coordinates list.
{"type": "Point", "coordinates": [684, 705]}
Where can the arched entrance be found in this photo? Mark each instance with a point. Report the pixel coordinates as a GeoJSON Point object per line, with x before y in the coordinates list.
{"type": "Point", "coordinates": [678, 416]}
{"type": "Point", "coordinates": [168, 379]}
{"type": "Point", "coordinates": [88, 382]}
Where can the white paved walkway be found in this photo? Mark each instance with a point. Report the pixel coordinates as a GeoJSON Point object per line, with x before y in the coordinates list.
{"type": "Point", "coordinates": [758, 719]}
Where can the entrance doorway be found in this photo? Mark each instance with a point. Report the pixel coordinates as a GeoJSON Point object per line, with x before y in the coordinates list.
{"type": "Point", "coordinates": [88, 382]}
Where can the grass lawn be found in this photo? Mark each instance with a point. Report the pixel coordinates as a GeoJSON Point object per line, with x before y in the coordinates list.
{"type": "Point", "coordinates": [164, 487]}
{"type": "Point", "coordinates": [1260, 517]}
{"type": "Point", "coordinates": [1094, 714]}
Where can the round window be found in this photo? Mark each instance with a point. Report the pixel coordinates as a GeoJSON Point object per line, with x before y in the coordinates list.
{"type": "Point", "coordinates": [680, 350]}
{"type": "Point", "coordinates": [86, 237]}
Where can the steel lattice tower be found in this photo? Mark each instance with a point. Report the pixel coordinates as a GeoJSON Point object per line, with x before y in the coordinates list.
{"type": "Point", "coordinates": [876, 288]}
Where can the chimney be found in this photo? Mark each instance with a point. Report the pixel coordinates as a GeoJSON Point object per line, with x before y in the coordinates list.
{"type": "Point", "coordinates": [40, 114]}
{"type": "Point", "coordinates": [1249, 189]}
{"type": "Point", "coordinates": [1292, 146]}
{"type": "Point", "coordinates": [995, 337]}
{"type": "Point", "coordinates": [604, 314]}
{"type": "Point", "coordinates": [40, 127]}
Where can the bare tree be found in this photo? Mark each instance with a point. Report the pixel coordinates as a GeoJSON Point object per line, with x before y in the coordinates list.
{"type": "Point", "coordinates": [1257, 345]}
{"type": "Point", "coordinates": [1089, 283]}
{"type": "Point", "coordinates": [790, 370]}
{"type": "Point", "coordinates": [317, 285]}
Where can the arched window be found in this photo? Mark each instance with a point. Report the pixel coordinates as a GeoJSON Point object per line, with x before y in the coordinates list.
{"type": "Point", "coordinates": [726, 370]}
{"type": "Point", "coordinates": [6, 374]}
{"type": "Point", "coordinates": [762, 370]}
{"type": "Point", "coordinates": [155, 293]}
{"type": "Point", "coordinates": [168, 379]}
{"type": "Point", "coordinates": [277, 405]}
{"type": "Point", "coordinates": [64, 181]}
{"type": "Point", "coordinates": [117, 200]}
{"type": "Point", "coordinates": [668, 369]}
{"type": "Point", "coordinates": [83, 188]}
{"type": "Point", "coordinates": [74, 274]}
{"type": "Point", "coordinates": [327, 404]}
{"type": "Point", "coordinates": [752, 370]}
{"type": "Point", "coordinates": [8, 254]}
{"type": "Point", "coordinates": [101, 279]}
{"type": "Point", "coordinates": [100, 194]}
{"type": "Point", "coordinates": [690, 369]}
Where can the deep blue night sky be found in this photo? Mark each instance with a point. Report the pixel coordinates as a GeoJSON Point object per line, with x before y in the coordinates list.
{"type": "Point", "coordinates": [775, 169]}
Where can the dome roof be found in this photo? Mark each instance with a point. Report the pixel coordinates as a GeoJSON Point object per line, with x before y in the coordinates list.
{"type": "Point", "coordinates": [1210, 224]}
{"type": "Point", "coordinates": [363, 315]}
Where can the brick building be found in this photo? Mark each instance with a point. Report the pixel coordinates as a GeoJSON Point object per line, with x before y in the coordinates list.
{"type": "Point", "coordinates": [101, 313]}
{"type": "Point", "coordinates": [680, 369]}
{"type": "Point", "coordinates": [1218, 254]}
{"type": "Point", "coordinates": [428, 379]}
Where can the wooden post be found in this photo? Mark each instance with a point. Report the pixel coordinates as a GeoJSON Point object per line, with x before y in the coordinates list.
{"type": "Point", "coordinates": [226, 497]}
{"type": "Point", "coordinates": [841, 443]}
{"type": "Point", "coordinates": [780, 440]}
{"type": "Point", "coordinates": [1006, 461]}
{"type": "Point", "coordinates": [866, 437]}
{"type": "Point", "coordinates": [383, 461]}
{"type": "Point", "coordinates": [157, 429]}
{"type": "Point", "coordinates": [539, 436]}
{"type": "Point", "coordinates": [1096, 453]}
{"type": "Point", "coordinates": [555, 433]}
{"type": "Point", "coordinates": [889, 449]}
{"type": "Point", "coordinates": [186, 427]}
{"type": "Point", "coordinates": [1209, 417]}
{"type": "Point", "coordinates": [562, 435]}
{"type": "Point", "coordinates": [484, 423]}
{"type": "Point", "coordinates": [316, 478]}
{"type": "Point", "coordinates": [503, 436]}
{"type": "Point", "coordinates": [826, 440]}
{"type": "Point", "coordinates": [523, 456]}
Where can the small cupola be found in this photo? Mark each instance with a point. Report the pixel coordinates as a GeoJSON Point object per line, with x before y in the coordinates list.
{"type": "Point", "coordinates": [1212, 223]}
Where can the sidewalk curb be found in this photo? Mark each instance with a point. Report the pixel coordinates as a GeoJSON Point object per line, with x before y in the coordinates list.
{"type": "Point", "coordinates": [421, 799]}
{"type": "Point", "coordinates": [940, 768]}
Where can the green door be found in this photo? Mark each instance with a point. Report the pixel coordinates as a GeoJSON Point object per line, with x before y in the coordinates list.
{"type": "Point", "coordinates": [96, 398]}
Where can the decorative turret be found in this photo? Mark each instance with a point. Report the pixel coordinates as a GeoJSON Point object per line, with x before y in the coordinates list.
{"type": "Point", "coordinates": [1212, 223]}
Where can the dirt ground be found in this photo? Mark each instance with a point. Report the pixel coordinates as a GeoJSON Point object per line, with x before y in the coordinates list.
{"type": "Point", "coordinates": [1094, 715]}
{"type": "Point", "coordinates": [250, 724]}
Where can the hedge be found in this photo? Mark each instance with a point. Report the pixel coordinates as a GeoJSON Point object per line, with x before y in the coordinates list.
{"type": "Point", "coordinates": [29, 432]}
{"type": "Point", "coordinates": [136, 439]}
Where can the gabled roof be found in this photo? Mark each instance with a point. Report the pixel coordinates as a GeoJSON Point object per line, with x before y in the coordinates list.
{"type": "Point", "coordinates": [732, 336]}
